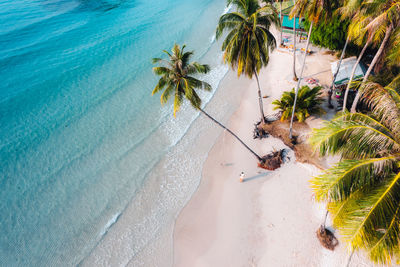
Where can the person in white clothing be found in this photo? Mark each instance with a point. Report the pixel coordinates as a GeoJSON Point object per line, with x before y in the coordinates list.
{"type": "Point", "coordinates": [241, 177]}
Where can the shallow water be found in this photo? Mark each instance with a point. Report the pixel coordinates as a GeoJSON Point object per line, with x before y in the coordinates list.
{"type": "Point", "coordinates": [80, 134]}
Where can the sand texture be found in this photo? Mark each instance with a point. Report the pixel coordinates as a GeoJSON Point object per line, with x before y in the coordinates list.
{"type": "Point", "coordinates": [270, 219]}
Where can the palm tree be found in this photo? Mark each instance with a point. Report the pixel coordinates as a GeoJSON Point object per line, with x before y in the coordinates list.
{"type": "Point", "coordinates": [280, 16]}
{"type": "Point", "coordinates": [393, 57]}
{"type": "Point", "coordinates": [176, 78]}
{"type": "Point", "coordinates": [353, 71]}
{"type": "Point", "coordinates": [330, 92]}
{"type": "Point", "coordinates": [309, 103]}
{"type": "Point", "coordinates": [249, 41]}
{"type": "Point", "coordinates": [362, 191]}
{"type": "Point", "coordinates": [380, 18]}
{"type": "Point", "coordinates": [312, 10]}
{"type": "Point", "coordinates": [294, 47]}
{"type": "Point", "coordinates": [281, 20]}
{"type": "Point", "coordinates": [351, 9]}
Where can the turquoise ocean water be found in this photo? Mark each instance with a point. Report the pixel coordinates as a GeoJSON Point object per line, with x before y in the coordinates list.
{"type": "Point", "coordinates": [79, 132]}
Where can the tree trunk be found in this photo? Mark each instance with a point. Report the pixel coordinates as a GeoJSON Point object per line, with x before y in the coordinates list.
{"type": "Point", "coordinates": [326, 217]}
{"type": "Point", "coordinates": [337, 72]}
{"type": "Point", "coordinates": [260, 102]}
{"type": "Point", "coordinates": [299, 81]}
{"type": "Point", "coordinates": [346, 93]}
{"type": "Point", "coordinates": [281, 19]}
{"type": "Point", "coordinates": [372, 65]}
{"type": "Point", "coordinates": [234, 135]}
{"type": "Point", "coordinates": [349, 258]}
{"type": "Point", "coordinates": [294, 47]}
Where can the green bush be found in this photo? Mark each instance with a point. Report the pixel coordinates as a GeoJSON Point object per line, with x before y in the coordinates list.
{"type": "Point", "coordinates": [329, 33]}
{"type": "Point", "coordinates": [308, 102]}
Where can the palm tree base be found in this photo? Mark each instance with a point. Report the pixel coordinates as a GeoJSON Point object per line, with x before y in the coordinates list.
{"type": "Point", "coordinates": [330, 93]}
{"type": "Point", "coordinates": [259, 131]}
{"type": "Point", "coordinates": [293, 140]}
{"type": "Point", "coordinates": [327, 238]}
{"type": "Point", "coordinates": [272, 161]}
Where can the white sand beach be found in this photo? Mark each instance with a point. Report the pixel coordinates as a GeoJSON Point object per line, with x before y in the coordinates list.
{"type": "Point", "coordinates": [270, 219]}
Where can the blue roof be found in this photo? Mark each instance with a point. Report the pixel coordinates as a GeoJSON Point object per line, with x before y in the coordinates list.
{"type": "Point", "coordinates": [288, 23]}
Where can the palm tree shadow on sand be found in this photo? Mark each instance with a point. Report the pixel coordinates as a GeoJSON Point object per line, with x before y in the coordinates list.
{"type": "Point", "coordinates": [263, 174]}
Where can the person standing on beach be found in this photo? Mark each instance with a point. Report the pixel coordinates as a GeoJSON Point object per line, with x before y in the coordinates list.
{"type": "Point", "coordinates": [241, 177]}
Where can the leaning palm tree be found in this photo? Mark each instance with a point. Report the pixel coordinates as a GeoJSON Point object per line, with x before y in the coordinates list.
{"type": "Point", "coordinates": [353, 71]}
{"type": "Point", "coordinates": [362, 191]}
{"type": "Point", "coordinates": [381, 18]}
{"type": "Point", "coordinates": [313, 11]}
{"type": "Point", "coordinates": [330, 92]}
{"type": "Point", "coordinates": [177, 80]}
{"type": "Point", "coordinates": [393, 57]}
{"type": "Point", "coordinates": [295, 78]}
{"type": "Point", "coordinates": [352, 9]}
{"type": "Point", "coordinates": [281, 20]}
{"type": "Point", "coordinates": [280, 17]}
{"type": "Point", "coordinates": [249, 41]}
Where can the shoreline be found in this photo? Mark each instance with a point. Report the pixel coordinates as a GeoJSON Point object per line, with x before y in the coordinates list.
{"type": "Point", "coordinates": [118, 246]}
{"type": "Point", "coordinates": [228, 223]}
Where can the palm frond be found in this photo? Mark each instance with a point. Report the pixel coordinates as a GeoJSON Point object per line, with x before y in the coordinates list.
{"type": "Point", "coordinates": [387, 241]}
{"type": "Point", "coordinates": [374, 209]}
{"type": "Point", "coordinates": [178, 98]}
{"type": "Point", "coordinates": [339, 182]}
{"type": "Point", "coordinates": [176, 79]}
{"type": "Point", "coordinates": [358, 136]}
{"type": "Point", "coordinates": [384, 103]}
{"type": "Point", "coordinates": [308, 102]}
{"type": "Point", "coordinates": [247, 45]}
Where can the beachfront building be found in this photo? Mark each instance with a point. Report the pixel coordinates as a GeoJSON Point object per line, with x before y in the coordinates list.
{"type": "Point", "coordinates": [287, 23]}
{"type": "Point", "coordinates": [343, 77]}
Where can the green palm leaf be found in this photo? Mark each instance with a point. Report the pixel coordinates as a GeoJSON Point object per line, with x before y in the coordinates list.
{"type": "Point", "coordinates": [353, 136]}
{"type": "Point", "coordinates": [339, 182]}
{"type": "Point", "coordinates": [246, 47]}
{"type": "Point", "coordinates": [362, 191]}
{"type": "Point", "coordinates": [176, 80]}
{"type": "Point", "coordinates": [308, 102]}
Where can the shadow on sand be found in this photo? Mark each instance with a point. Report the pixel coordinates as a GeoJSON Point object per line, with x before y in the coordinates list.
{"type": "Point", "coordinates": [263, 174]}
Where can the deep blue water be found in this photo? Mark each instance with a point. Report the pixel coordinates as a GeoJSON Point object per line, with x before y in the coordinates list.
{"type": "Point", "coordinates": [79, 130]}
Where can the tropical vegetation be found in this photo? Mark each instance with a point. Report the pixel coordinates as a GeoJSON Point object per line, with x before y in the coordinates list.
{"type": "Point", "coordinates": [362, 191]}
{"type": "Point", "coordinates": [329, 33]}
{"type": "Point", "coordinates": [380, 19]}
{"type": "Point", "coordinates": [177, 80]}
{"type": "Point", "coordinates": [313, 10]}
{"type": "Point", "coordinates": [309, 102]}
{"type": "Point", "coordinates": [248, 42]}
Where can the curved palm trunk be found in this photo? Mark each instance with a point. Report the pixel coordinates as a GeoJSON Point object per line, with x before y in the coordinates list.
{"type": "Point", "coordinates": [349, 258]}
{"type": "Point", "coordinates": [260, 102]}
{"type": "Point", "coordinates": [346, 93]}
{"type": "Point", "coordinates": [372, 65]}
{"type": "Point", "coordinates": [281, 19]}
{"type": "Point", "coordinates": [326, 217]}
{"type": "Point", "coordinates": [299, 81]}
{"type": "Point", "coordinates": [234, 135]}
{"type": "Point", "coordinates": [294, 48]}
{"type": "Point", "coordinates": [337, 72]}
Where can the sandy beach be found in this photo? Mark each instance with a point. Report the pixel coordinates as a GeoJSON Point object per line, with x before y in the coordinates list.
{"type": "Point", "coordinates": [270, 219]}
